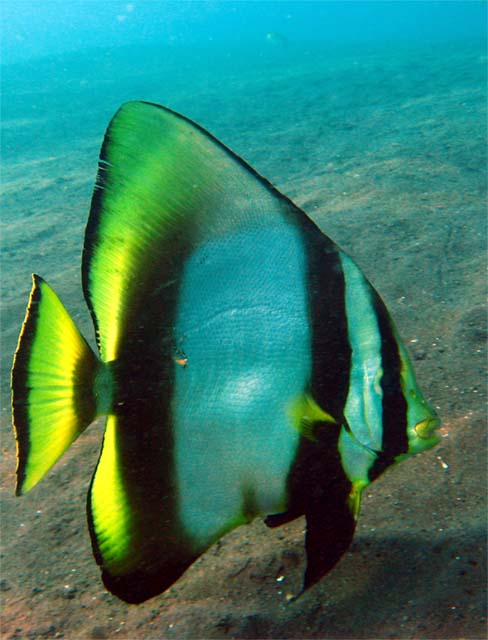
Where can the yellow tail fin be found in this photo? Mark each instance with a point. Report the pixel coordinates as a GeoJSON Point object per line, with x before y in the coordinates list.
{"type": "Point", "coordinates": [53, 380]}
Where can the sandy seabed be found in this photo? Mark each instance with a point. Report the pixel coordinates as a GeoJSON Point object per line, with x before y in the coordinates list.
{"type": "Point", "coordinates": [386, 151]}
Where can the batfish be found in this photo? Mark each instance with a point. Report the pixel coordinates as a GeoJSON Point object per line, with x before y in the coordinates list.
{"type": "Point", "coordinates": [246, 367]}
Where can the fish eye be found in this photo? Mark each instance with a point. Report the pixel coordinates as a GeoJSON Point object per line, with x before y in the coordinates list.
{"type": "Point", "coordinates": [425, 428]}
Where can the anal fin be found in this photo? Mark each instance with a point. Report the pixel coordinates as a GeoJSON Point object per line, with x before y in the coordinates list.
{"type": "Point", "coordinates": [135, 532]}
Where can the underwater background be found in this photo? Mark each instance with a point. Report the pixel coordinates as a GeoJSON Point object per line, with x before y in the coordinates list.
{"type": "Point", "coordinates": [371, 116]}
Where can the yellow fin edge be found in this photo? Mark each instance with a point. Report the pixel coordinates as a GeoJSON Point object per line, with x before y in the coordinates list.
{"type": "Point", "coordinates": [305, 413]}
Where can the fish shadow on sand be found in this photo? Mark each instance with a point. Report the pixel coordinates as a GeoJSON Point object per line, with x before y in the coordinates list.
{"type": "Point", "coordinates": [429, 586]}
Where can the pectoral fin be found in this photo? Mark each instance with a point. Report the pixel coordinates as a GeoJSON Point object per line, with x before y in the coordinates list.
{"type": "Point", "coordinates": [306, 413]}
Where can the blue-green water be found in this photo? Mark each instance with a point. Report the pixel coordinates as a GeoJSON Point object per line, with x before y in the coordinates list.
{"type": "Point", "coordinates": [372, 117]}
{"type": "Point", "coordinates": [31, 29]}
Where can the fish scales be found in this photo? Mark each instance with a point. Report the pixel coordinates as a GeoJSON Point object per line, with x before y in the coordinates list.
{"type": "Point", "coordinates": [246, 366]}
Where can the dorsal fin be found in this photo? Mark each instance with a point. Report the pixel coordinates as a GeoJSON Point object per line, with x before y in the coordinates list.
{"type": "Point", "coordinates": [164, 186]}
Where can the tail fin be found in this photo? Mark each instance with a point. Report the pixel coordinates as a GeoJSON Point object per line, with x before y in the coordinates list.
{"type": "Point", "coordinates": [53, 379]}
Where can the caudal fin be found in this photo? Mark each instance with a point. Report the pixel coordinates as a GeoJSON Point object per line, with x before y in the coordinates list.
{"type": "Point", "coordinates": [53, 378]}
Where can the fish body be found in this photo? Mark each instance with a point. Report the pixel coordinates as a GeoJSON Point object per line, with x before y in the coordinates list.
{"type": "Point", "coordinates": [246, 366]}
{"type": "Point", "coordinates": [276, 39]}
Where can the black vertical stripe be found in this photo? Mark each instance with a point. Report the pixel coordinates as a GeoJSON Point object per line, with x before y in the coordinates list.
{"type": "Point", "coordinates": [330, 524]}
{"type": "Point", "coordinates": [317, 483]}
{"type": "Point", "coordinates": [331, 351]}
{"type": "Point", "coordinates": [395, 438]}
{"type": "Point", "coordinates": [144, 375]}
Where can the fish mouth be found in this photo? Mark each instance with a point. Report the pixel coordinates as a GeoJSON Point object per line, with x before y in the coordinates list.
{"type": "Point", "coordinates": [425, 428]}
